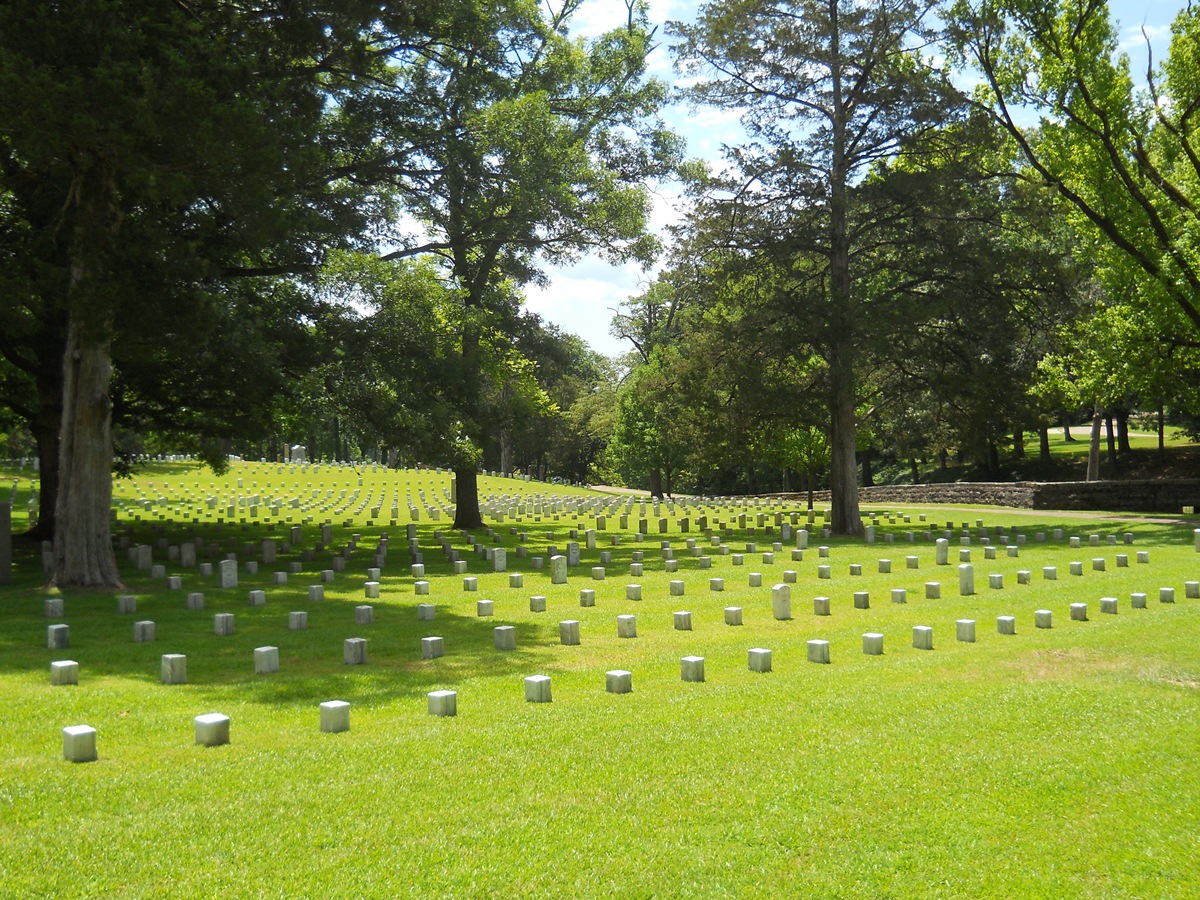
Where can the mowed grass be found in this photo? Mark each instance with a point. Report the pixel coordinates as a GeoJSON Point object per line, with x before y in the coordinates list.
{"type": "Point", "coordinates": [1050, 763]}
{"type": "Point", "coordinates": [1081, 441]}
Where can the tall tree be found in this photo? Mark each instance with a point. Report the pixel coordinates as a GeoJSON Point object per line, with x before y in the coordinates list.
{"type": "Point", "coordinates": [160, 145]}
{"type": "Point", "coordinates": [390, 330]}
{"type": "Point", "coordinates": [650, 321]}
{"type": "Point", "coordinates": [650, 442]}
{"type": "Point", "coordinates": [832, 88]}
{"type": "Point", "coordinates": [1128, 164]}
{"type": "Point", "coordinates": [521, 147]}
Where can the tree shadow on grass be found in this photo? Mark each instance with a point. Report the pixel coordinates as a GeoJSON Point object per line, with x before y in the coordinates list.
{"type": "Point", "coordinates": [312, 667]}
{"type": "Point", "coordinates": [311, 660]}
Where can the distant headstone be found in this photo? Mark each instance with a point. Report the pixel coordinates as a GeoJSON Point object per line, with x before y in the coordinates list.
{"type": "Point", "coordinates": [692, 668]}
{"type": "Point", "coordinates": [173, 668]}
{"type": "Point", "coordinates": [558, 570]}
{"type": "Point", "coordinates": [443, 703]}
{"type": "Point", "coordinates": [79, 743]}
{"type": "Point", "coordinates": [335, 716]}
{"type": "Point", "coordinates": [64, 671]}
{"type": "Point", "coordinates": [618, 681]}
{"type": "Point", "coordinates": [212, 729]}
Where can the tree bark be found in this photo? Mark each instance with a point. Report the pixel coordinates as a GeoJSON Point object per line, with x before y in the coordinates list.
{"type": "Point", "coordinates": [506, 450]}
{"type": "Point", "coordinates": [1162, 436]}
{"type": "Point", "coordinates": [1093, 468]}
{"type": "Point", "coordinates": [1122, 417]}
{"type": "Point", "coordinates": [83, 554]}
{"type": "Point", "coordinates": [845, 517]}
{"type": "Point", "coordinates": [1018, 443]}
{"type": "Point", "coordinates": [1112, 444]}
{"type": "Point", "coordinates": [868, 474]}
{"type": "Point", "coordinates": [656, 483]}
{"type": "Point", "coordinates": [1066, 427]}
{"type": "Point", "coordinates": [466, 508]}
{"type": "Point", "coordinates": [1044, 445]}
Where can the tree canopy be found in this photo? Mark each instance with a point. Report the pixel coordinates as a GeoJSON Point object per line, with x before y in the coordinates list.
{"type": "Point", "coordinates": [235, 225]}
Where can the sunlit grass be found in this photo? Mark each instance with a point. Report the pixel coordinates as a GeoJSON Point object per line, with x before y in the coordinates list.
{"type": "Point", "coordinates": [1081, 441]}
{"type": "Point", "coordinates": [1054, 763]}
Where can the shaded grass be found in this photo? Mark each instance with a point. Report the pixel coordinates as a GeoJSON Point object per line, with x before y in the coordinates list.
{"type": "Point", "coordinates": [1050, 763]}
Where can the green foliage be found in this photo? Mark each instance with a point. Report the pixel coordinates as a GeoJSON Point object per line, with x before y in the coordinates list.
{"type": "Point", "coordinates": [649, 435]}
{"type": "Point", "coordinates": [830, 91]}
{"type": "Point", "coordinates": [149, 152]}
{"type": "Point", "coordinates": [1126, 164]}
{"type": "Point", "coordinates": [389, 367]}
{"type": "Point", "coordinates": [515, 146]}
{"type": "Point", "coordinates": [558, 421]}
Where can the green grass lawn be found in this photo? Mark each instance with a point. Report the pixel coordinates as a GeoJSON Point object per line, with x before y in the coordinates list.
{"type": "Point", "coordinates": [1082, 436]}
{"type": "Point", "coordinates": [1050, 763]}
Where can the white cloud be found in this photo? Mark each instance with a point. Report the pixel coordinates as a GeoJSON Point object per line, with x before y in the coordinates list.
{"type": "Point", "coordinates": [599, 16]}
{"type": "Point", "coordinates": [1133, 41]}
{"type": "Point", "coordinates": [582, 299]}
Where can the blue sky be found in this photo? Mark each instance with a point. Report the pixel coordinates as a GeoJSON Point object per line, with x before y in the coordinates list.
{"type": "Point", "coordinates": [581, 299]}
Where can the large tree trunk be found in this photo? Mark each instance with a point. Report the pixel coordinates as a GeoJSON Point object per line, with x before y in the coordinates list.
{"type": "Point", "coordinates": [1018, 443]}
{"type": "Point", "coordinates": [845, 517]}
{"type": "Point", "coordinates": [83, 554]}
{"type": "Point", "coordinates": [1044, 445]}
{"type": "Point", "coordinates": [466, 509]}
{"type": "Point", "coordinates": [656, 483]}
{"type": "Point", "coordinates": [506, 450]}
{"type": "Point", "coordinates": [1093, 468]}
{"type": "Point", "coordinates": [1112, 444]}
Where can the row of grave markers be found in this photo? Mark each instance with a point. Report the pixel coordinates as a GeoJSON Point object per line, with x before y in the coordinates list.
{"type": "Point", "coordinates": [266, 658]}
{"type": "Point", "coordinates": [79, 741]}
{"type": "Point", "coordinates": [213, 729]}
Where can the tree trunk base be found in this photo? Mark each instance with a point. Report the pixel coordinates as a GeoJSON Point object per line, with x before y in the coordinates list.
{"type": "Point", "coordinates": [466, 498]}
{"type": "Point", "coordinates": [83, 554]}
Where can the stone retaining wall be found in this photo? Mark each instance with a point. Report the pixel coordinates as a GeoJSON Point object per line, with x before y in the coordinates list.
{"type": "Point", "coordinates": [1123, 496]}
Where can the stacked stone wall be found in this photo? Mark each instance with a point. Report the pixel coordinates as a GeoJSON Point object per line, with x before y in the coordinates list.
{"type": "Point", "coordinates": [1172, 497]}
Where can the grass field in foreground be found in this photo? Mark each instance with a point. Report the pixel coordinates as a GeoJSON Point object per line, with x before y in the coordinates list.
{"type": "Point", "coordinates": [1050, 763]}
